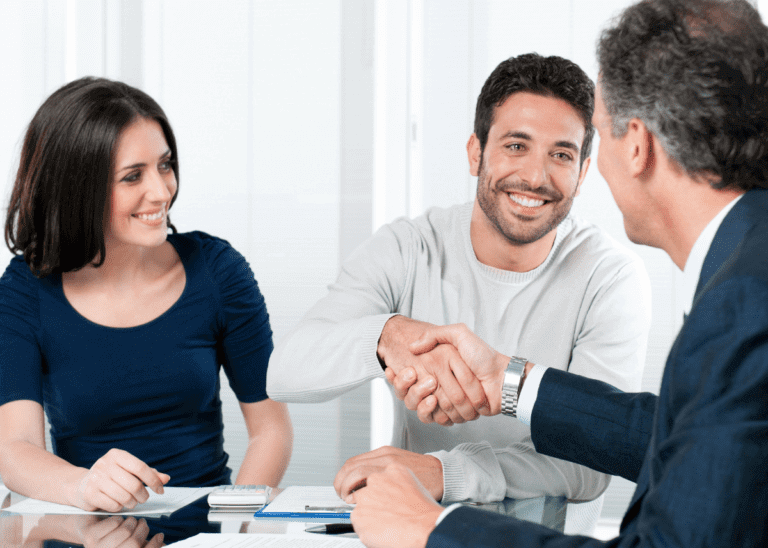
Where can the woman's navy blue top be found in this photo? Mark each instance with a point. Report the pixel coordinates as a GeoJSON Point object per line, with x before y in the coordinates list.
{"type": "Point", "coordinates": [153, 389]}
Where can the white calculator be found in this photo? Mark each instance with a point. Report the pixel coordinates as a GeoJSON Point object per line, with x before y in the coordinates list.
{"type": "Point", "coordinates": [236, 498]}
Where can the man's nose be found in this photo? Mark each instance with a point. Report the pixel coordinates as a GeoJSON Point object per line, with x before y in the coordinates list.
{"type": "Point", "coordinates": [533, 170]}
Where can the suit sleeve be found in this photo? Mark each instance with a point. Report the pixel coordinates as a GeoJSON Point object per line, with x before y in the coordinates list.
{"type": "Point", "coordinates": [333, 348]}
{"type": "Point", "coordinates": [592, 423]}
{"type": "Point", "coordinates": [704, 481]}
{"type": "Point", "coordinates": [610, 346]}
{"type": "Point", "coordinates": [466, 527]}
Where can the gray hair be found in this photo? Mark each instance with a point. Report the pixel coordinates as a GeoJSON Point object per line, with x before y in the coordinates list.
{"type": "Point", "coordinates": [696, 73]}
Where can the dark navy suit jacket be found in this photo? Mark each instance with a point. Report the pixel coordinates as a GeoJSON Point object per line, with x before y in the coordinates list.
{"type": "Point", "coordinates": [698, 451]}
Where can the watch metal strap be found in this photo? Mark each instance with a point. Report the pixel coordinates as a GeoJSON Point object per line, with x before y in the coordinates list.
{"type": "Point", "coordinates": [511, 384]}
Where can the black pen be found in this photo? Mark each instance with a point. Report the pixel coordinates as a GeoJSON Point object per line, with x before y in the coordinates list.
{"type": "Point", "coordinates": [331, 529]}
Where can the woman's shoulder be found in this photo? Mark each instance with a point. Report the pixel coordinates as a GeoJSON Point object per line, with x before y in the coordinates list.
{"type": "Point", "coordinates": [18, 275]}
{"type": "Point", "coordinates": [19, 289]}
{"type": "Point", "coordinates": [209, 246]}
{"type": "Point", "coordinates": [216, 253]}
{"type": "Point", "coordinates": [197, 236]}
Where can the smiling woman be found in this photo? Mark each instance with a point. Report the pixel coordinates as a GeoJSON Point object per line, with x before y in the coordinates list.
{"type": "Point", "coordinates": [143, 185]}
{"type": "Point", "coordinates": [117, 328]}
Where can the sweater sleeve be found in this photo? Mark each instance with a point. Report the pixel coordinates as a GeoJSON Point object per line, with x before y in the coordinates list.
{"type": "Point", "coordinates": [479, 472]}
{"type": "Point", "coordinates": [20, 357]}
{"type": "Point", "coordinates": [610, 346]}
{"type": "Point", "coordinates": [245, 335]}
{"type": "Point", "coordinates": [333, 348]}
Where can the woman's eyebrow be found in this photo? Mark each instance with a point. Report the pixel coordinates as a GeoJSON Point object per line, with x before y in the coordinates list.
{"type": "Point", "coordinates": [142, 164]}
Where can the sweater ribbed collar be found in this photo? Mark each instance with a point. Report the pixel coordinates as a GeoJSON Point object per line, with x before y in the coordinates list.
{"type": "Point", "coordinates": [508, 276]}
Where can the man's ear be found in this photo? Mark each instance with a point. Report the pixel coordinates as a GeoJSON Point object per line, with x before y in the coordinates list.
{"type": "Point", "coordinates": [639, 143]}
{"type": "Point", "coordinates": [583, 174]}
{"type": "Point", "coordinates": [473, 154]}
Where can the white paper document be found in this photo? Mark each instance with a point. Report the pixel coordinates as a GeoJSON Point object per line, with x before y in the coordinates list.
{"type": "Point", "coordinates": [236, 540]}
{"type": "Point", "coordinates": [173, 499]}
{"type": "Point", "coordinates": [295, 500]}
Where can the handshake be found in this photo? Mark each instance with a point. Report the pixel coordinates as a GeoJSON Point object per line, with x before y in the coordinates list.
{"type": "Point", "coordinates": [447, 374]}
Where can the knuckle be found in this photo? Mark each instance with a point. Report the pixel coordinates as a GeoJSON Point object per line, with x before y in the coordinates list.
{"type": "Point", "coordinates": [95, 478]}
{"type": "Point", "coordinates": [124, 498]}
{"type": "Point", "coordinates": [477, 401]}
{"type": "Point", "coordinates": [133, 483]}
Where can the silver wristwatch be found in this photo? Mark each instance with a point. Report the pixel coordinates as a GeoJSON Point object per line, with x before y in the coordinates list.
{"type": "Point", "coordinates": [511, 384]}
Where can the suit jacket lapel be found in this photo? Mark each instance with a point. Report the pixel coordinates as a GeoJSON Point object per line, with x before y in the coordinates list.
{"type": "Point", "coordinates": [739, 220]}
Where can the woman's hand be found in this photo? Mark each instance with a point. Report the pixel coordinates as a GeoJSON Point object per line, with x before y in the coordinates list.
{"type": "Point", "coordinates": [117, 481]}
{"type": "Point", "coordinates": [92, 531]}
{"type": "Point", "coordinates": [119, 532]}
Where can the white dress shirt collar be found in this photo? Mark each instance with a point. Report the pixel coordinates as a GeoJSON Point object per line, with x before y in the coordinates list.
{"type": "Point", "coordinates": [695, 261]}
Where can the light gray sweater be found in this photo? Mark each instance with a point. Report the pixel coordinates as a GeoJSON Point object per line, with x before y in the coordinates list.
{"type": "Point", "coordinates": [585, 309]}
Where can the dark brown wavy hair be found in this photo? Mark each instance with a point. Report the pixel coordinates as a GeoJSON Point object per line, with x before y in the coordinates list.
{"type": "Point", "coordinates": [547, 76]}
{"type": "Point", "coordinates": [62, 188]}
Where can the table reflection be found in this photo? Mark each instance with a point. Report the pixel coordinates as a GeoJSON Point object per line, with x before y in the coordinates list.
{"type": "Point", "coordinates": [89, 531]}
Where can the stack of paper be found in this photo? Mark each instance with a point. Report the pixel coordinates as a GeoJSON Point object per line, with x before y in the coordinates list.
{"type": "Point", "coordinates": [306, 502]}
{"type": "Point", "coordinates": [173, 499]}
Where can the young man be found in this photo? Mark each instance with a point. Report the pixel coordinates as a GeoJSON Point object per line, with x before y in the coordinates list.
{"type": "Point", "coordinates": [513, 265]}
{"type": "Point", "coordinates": [682, 112]}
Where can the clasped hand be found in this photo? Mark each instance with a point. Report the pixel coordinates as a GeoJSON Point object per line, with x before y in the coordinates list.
{"type": "Point", "coordinates": [438, 370]}
{"type": "Point", "coordinates": [468, 372]}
